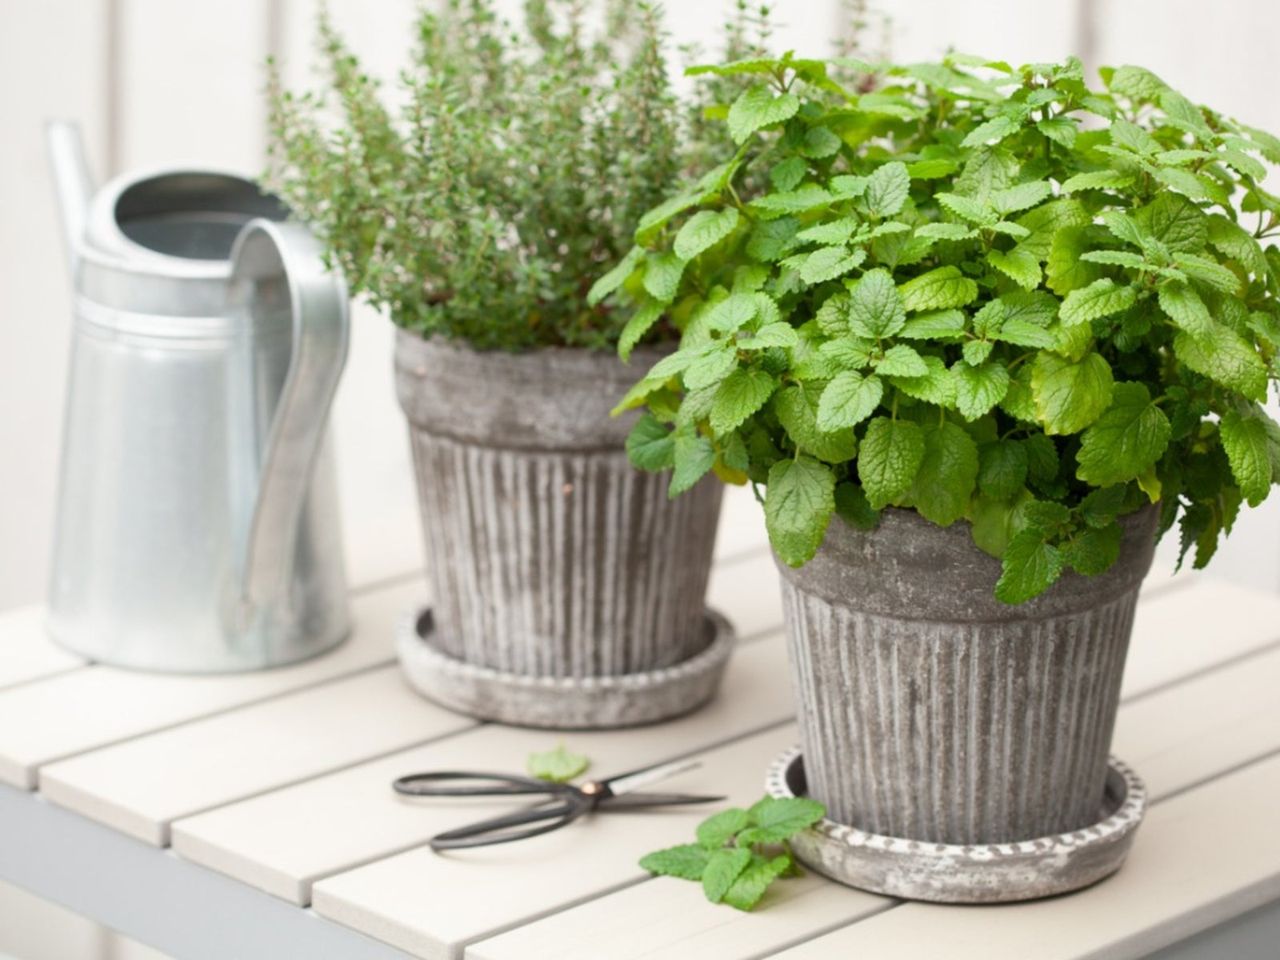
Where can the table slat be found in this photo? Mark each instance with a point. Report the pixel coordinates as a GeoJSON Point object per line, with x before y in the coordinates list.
{"type": "Point", "coordinates": [141, 786]}
{"type": "Point", "coordinates": [432, 905]}
{"type": "Point", "coordinates": [1206, 725]}
{"type": "Point", "coordinates": [86, 709]}
{"type": "Point", "coordinates": [1200, 858]}
{"type": "Point", "coordinates": [26, 652]}
{"type": "Point", "coordinates": [284, 840]}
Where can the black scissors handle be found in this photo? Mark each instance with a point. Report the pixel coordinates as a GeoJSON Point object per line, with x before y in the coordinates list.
{"type": "Point", "coordinates": [484, 833]}
{"type": "Point", "coordinates": [435, 784]}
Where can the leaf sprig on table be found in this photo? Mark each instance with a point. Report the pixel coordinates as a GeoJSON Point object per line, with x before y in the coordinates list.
{"type": "Point", "coordinates": [738, 852]}
{"type": "Point", "coordinates": [979, 292]}
{"type": "Point", "coordinates": [557, 765]}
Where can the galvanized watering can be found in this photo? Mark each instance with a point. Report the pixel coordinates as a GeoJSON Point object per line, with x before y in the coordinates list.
{"type": "Point", "coordinates": [197, 521]}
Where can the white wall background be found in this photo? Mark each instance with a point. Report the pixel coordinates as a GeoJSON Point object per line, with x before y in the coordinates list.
{"type": "Point", "coordinates": [179, 81]}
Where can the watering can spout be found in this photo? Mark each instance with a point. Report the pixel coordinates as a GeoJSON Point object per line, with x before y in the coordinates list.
{"type": "Point", "coordinates": [71, 181]}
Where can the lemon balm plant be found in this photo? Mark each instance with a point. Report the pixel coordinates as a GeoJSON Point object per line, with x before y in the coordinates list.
{"type": "Point", "coordinates": [954, 295]}
{"type": "Point", "coordinates": [979, 312]}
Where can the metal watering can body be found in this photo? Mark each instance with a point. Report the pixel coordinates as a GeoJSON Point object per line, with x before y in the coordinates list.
{"type": "Point", "coordinates": [197, 520]}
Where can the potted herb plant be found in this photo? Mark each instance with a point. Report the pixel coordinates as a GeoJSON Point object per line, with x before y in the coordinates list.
{"type": "Point", "coordinates": [567, 590]}
{"type": "Point", "coordinates": [978, 337]}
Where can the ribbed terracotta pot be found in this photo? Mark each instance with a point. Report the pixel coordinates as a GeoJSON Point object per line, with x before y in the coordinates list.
{"type": "Point", "coordinates": [931, 711]}
{"type": "Point", "coordinates": [549, 555]}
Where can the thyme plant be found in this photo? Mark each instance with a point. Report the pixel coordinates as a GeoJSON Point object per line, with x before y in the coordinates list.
{"type": "Point", "coordinates": [513, 173]}
{"type": "Point", "coordinates": [955, 295]}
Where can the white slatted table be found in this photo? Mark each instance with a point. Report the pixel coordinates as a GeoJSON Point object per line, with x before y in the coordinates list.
{"type": "Point", "coordinates": [252, 816]}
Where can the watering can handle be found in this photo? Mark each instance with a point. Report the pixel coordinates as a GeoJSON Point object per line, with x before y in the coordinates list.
{"type": "Point", "coordinates": [268, 251]}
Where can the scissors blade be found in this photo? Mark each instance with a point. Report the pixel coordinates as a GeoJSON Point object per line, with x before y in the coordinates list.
{"type": "Point", "coordinates": [656, 774]}
{"type": "Point", "coordinates": [635, 800]}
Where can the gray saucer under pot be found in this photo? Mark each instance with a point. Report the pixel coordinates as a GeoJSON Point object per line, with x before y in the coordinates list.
{"type": "Point", "coordinates": [568, 588]}
{"type": "Point", "coordinates": [933, 714]}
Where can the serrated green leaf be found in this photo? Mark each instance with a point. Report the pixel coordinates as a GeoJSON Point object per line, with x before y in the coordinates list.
{"type": "Point", "coordinates": [612, 280]}
{"type": "Point", "coordinates": [1115, 258]}
{"type": "Point", "coordinates": [889, 458]}
{"type": "Point", "coordinates": [1018, 265]}
{"type": "Point", "coordinates": [1174, 221]}
{"type": "Point", "coordinates": [718, 829]}
{"type": "Point", "coordinates": [852, 507]}
{"type": "Point", "coordinates": [980, 388]}
{"type": "Point", "coordinates": [1245, 441]}
{"type": "Point", "coordinates": [1060, 130]}
{"type": "Point", "coordinates": [829, 263]}
{"type": "Point", "coordinates": [796, 408]}
{"type": "Point", "coordinates": [1126, 440]}
{"type": "Point", "coordinates": [732, 313]}
{"type": "Point", "coordinates": [948, 471]}
{"type": "Point", "coordinates": [1225, 357]}
{"type": "Point", "coordinates": [1030, 566]}
{"type": "Point", "coordinates": [1208, 272]}
{"type": "Point", "coordinates": [1132, 137]}
{"type": "Point", "coordinates": [650, 445]}
{"type": "Point", "coordinates": [1046, 220]}
{"type": "Point", "coordinates": [1070, 395]}
{"type": "Point", "coordinates": [662, 275]}
{"type": "Point", "coordinates": [991, 132]}
{"type": "Point", "coordinates": [1002, 469]}
{"type": "Point", "coordinates": [848, 400]}
{"type": "Point", "coordinates": [820, 143]}
{"type": "Point", "coordinates": [938, 289]}
{"type": "Point", "coordinates": [975, 352]}
{"type": "Point", "coordinates": [750, 887]}
{"type": "Point", "coordinates": [787, 174]}
{"type": "Point", "coordinates": [742, 393]}
{"type": "Point", "coordinates": [836, 231]}
{"type": "Point", "coordinates": [968, 208]}
{"type": "Point", "coordinates": [1021, 196]}
{"type": "Point", "coordinates": [937, 386]}
{"type": "Point", "coordinates": [775, 819]}
{"type": "Point", "coordinates": [887, 188]}
{"type": "Point", "coordinates": [1097, 180]}
{"type": "Point", "coordinates": [723, 868]}
{"type": "Point", "coordinates": [556, 766]}
{"type": "Point", "coordinates": [799, 501]}
{"type": "Point", "coordinates": [1236, 242]}
{"type": "Point", "coordinates": [640, 323]}
{"type": "Point", "coordinates": [703, 231]}
{"type": "Point", "coordinates": [807, 196]}
{"type": "Point", "coordinates": [779, 334]}
{"type": "Point", "coordinates": [1065, 270]}
{"type": "Point", "coordinates": [875, 307]}
{"type": "Point", "coordinates": [934, 325]}
{"type": "Point", "coordinates": [946, 231]}
{"type": "Point", "coordinates": [1102, 298]}
{"type": "Point", "coordinates": [1185, 308]}
{"type": "Point", "coordinates": [688, 861]}
{"type": "Point", "coordinates": [901, 361]}
{"type": "Point", "coordinates": [1093, 550]}
{"type": "Point", "coordinates": [770, 240]}
{"type": "Point", "coordinates": [757, 107]}
{"type": "Point", "coordinates": [694, 456]}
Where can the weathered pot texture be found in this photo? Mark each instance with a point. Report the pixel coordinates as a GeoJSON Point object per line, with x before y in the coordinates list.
{"type": "Point", "coordinates": [931, 711]}
{"type": "Point", "coordinates": [548, 553]}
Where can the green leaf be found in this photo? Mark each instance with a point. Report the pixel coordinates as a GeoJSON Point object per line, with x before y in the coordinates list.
{"type": "Point", "coordinates": [779, 334]}
{"type": "Point", "coordinates": [1236, 242]}
{"type": "Point", "coordinates": [775, 819]}
{"type": "Point", "coordinates": [1175, 221]}
{"type": "Point", "coordinates": [687, 861]}
{"type": "Point", "coordinates": [1061, 130]}
{"type": "Point", "coordinates": [1133, 137]}
{"type": "Point", "coordinates": [612, 280]}
{"type": "Point", "coordinates": [556, 766]}
{"type": "Point", "coordinates": [1102, 298]}
{"type": "Point", "coordinates": [771, 239]}
{"type": "Point", "coordinates": [947, 474]}
{"type": "Point", "coordinates": [946, 231]}
{"type": "Point", "coordinates": [724, 867]}
{"type": "Point", "coordinates": [993, 131]}
{"type": "Point", "coordinates": [807, 196]}
{"type": "Point", "coordinates": [796, 408]}
{"type": "Point", "coordinates": [829, 263]}
{"type": "Point", "coordinates": [650, 445]}
{"type": "Point", "coordinates": [694, 456]}
{"type": "Point", "coordinates": [875, 306]}
{"type": "Point", "coordinates": [703, 231]}
{"type": "Point", "coordinates": [1070, 395]}
{"type": "Point", "coordinates": [710, 366]}
{"type": "Point", "coordinates": [1021, 197]}
{"type": "Point", "coordinates": [1208, 272]}
{"type": "Point", "coordinates": [1126, 440]}
{"type": "Point", "coordinates": [662, 275]}
{"type": "Point", "coordinates": [1245, 441]}
{"type": "Point", "coordinates": [848, 400]}
{"type": "Point", "coordinates": [820, 143]}
{"type": "Point", "coordinates": [889, 459]}
{"type": "Point", "coordinates": [753, 882]}
{"type": "Point", "coordinates": [799, 501]}
{"type": "Point", "coordinates": [935, 325]}
{"type": "Point", "coordinates": [732, 313]}
{"type": "Point", "coordinates": [1002, 469]}
{"type": "Point", "coordinates": [1093, 550]}
{"type": "Point", "coordinates": [742, 393]}
{"type": "Point", "coordinates": [833, 232]}
{"type": "Point", "coordinates": [937, 386]}
{"type": "Point", "coordinates": [887, 189]}
{"type": "Point", "coordinates": [967, 208]}
{"type": "Point", "coordinates": [938, 289]}
{"type": "Point", "coordinates": [1225, 357]}
{"type": "Point", "coordinates": [1018, 265]}
{"type": "Point", "coordinates": [787, 174]}
{"type": "Point", "coordinates": [757, 107]}
{"type": "Point", "coordinates": [1096, 180]}
{"type": "Point", "coordinates": [1185, 308]}
{"type": "Point", "coordinates": [1065, 270]}
{"type": "Point", "coordinates": [718, 829]}
{"type": "Point", "coordinates": [1030, 567]}
{"type": "Point", "coordinates": [901, 361]}
{"type": "Point", "coordinates": [853, 508]}
{"type": "Point", "coordinates": [640, 323]}
{"type": "Point", "coordinates": [1046, 220]}
{"type": "Point", "coordinates": [980, 388]}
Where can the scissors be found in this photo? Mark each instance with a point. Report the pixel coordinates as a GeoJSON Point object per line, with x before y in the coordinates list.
{"type": "Point", "coordinates": [562, 804]}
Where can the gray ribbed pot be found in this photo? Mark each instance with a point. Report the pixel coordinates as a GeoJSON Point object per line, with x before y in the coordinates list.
{"type": "Point", "coordinates": [550, 556]}
{"type": "Point", "coordinates": [932, 712]}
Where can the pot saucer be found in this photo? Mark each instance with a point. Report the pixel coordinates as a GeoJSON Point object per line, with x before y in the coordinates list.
{"type": "Point", "coordinates": [575, 703]}
{"type": "Point", "coordinates": [980, 873]}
